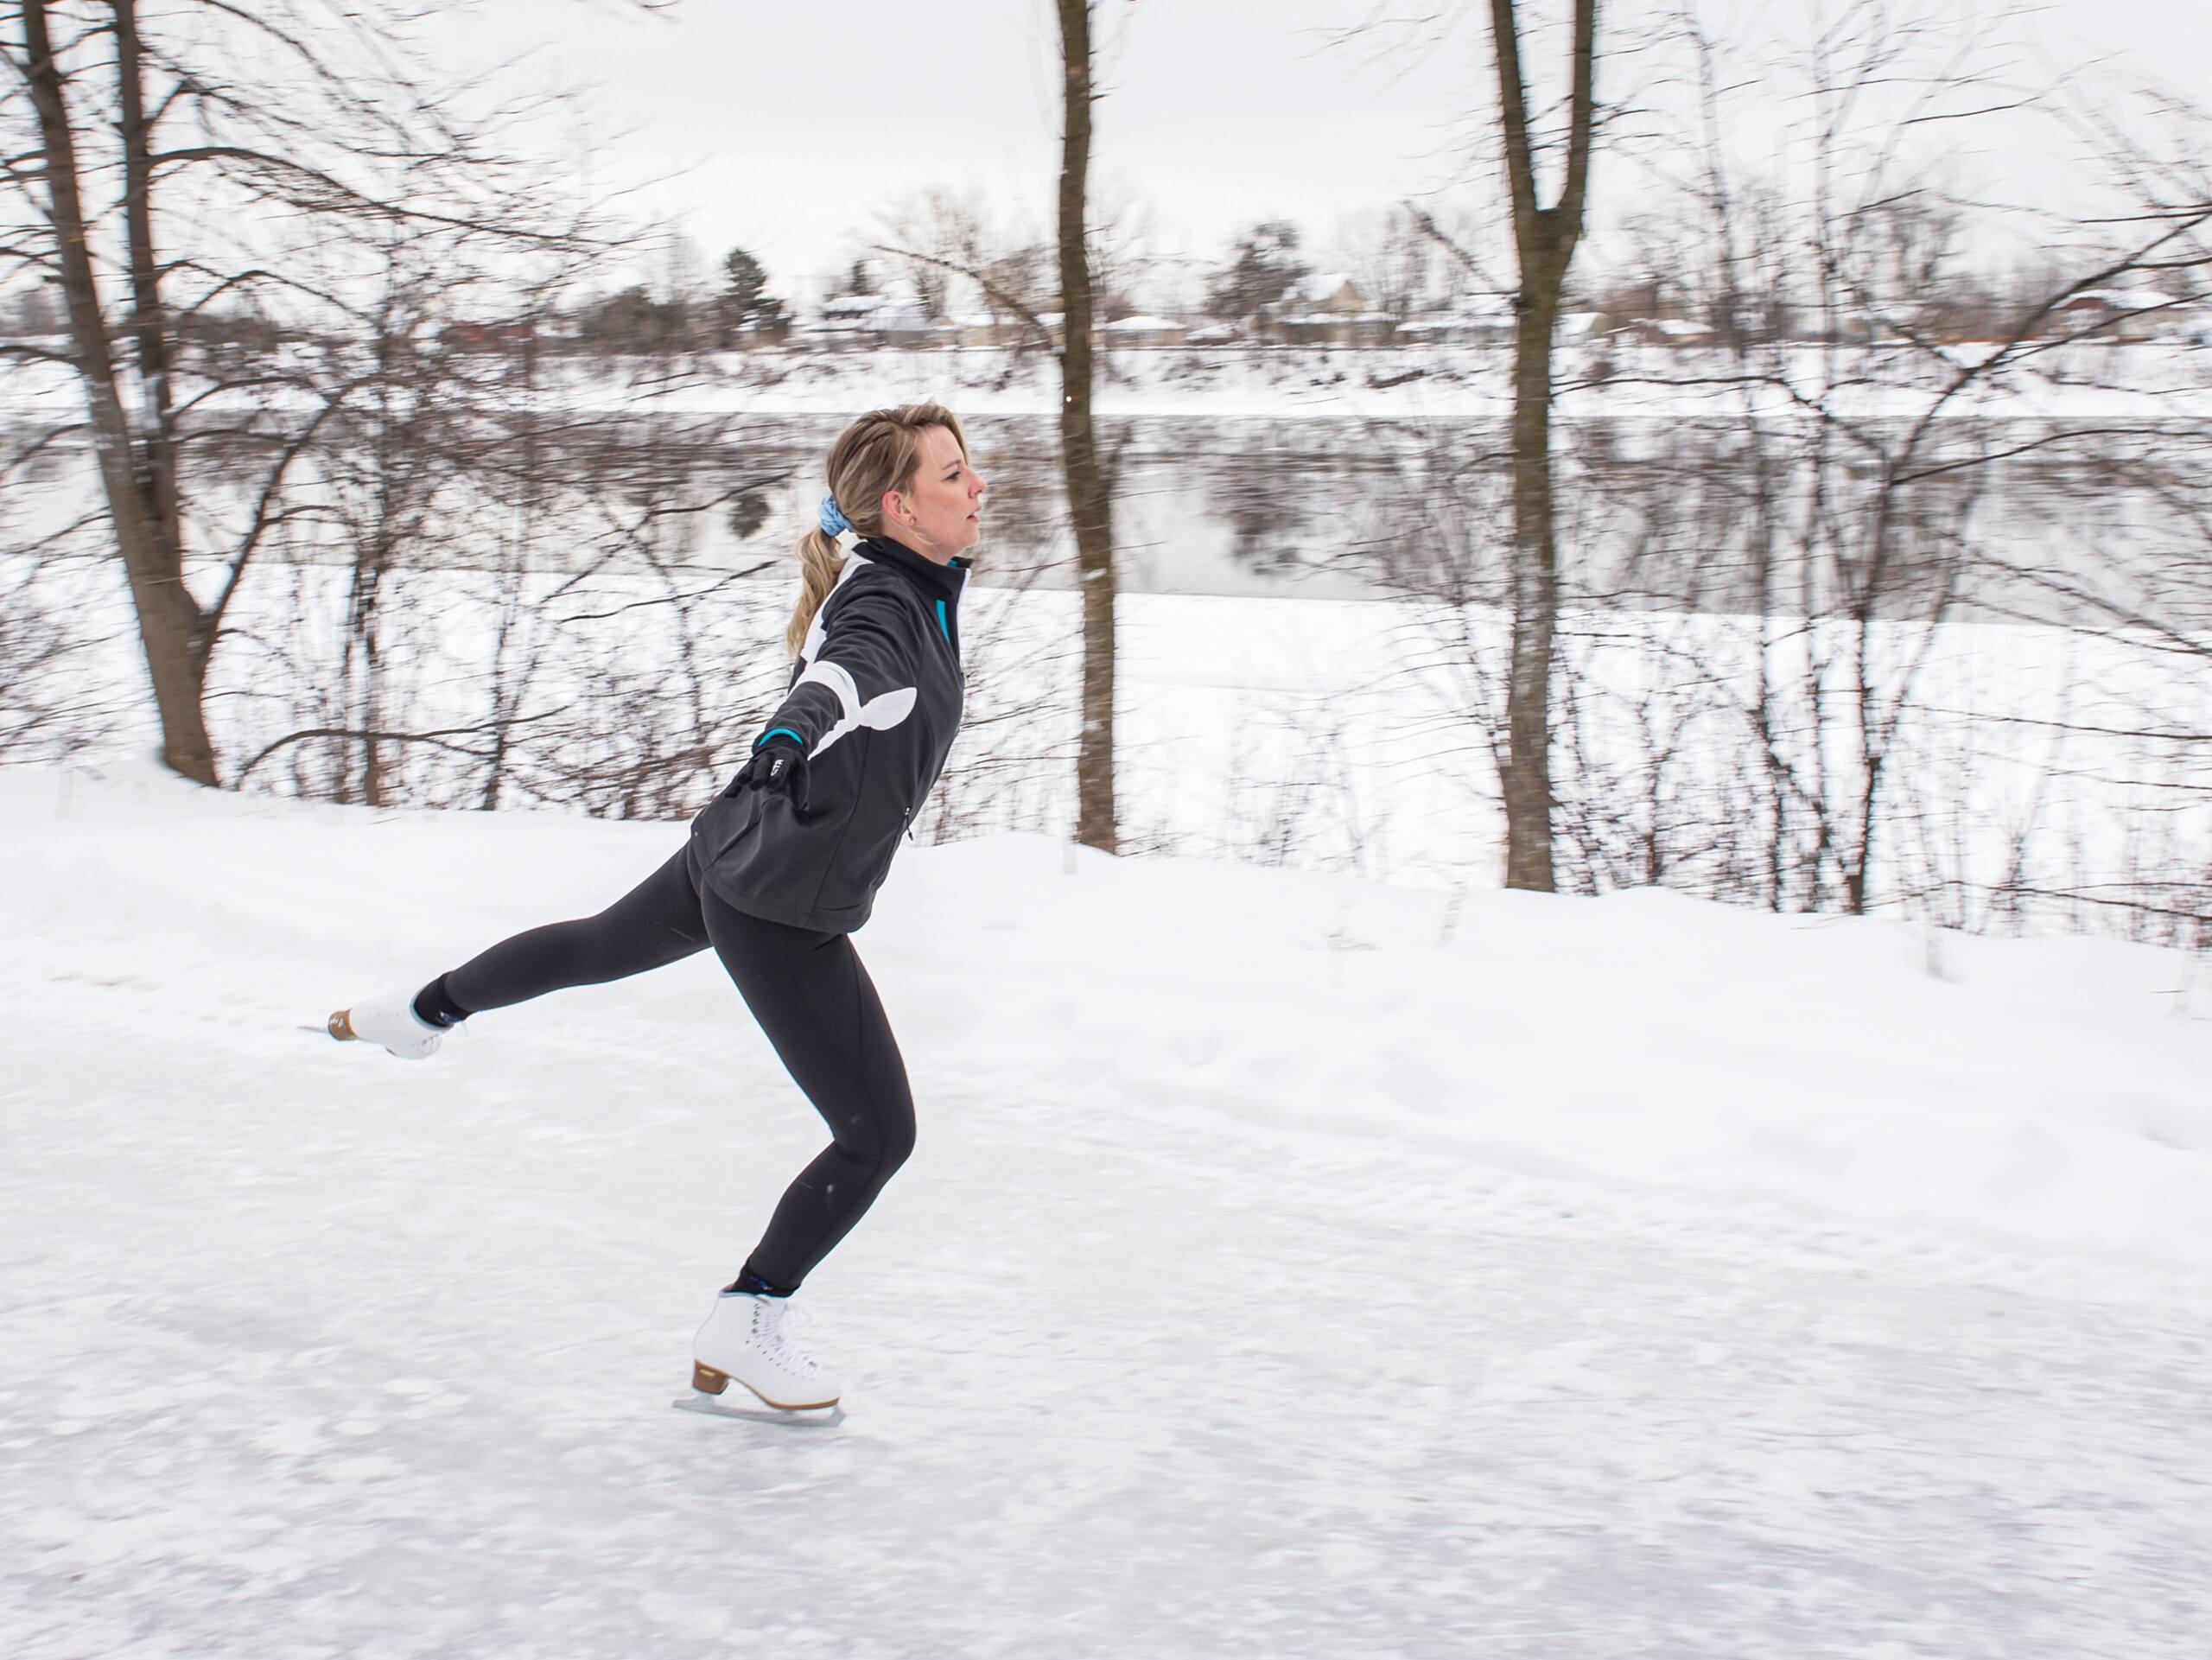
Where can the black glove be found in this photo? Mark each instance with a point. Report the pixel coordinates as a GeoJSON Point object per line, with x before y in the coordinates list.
{"type": "Point", "coordinates": [778, 762]}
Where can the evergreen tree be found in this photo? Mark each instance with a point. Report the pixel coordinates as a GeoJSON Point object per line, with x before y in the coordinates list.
{"type": "Point", "coordinates": [744, 281]}
{"type": "Point", "coordinates": [1264, 266]}
{"type": "Point", "coordinates": [747, 305]}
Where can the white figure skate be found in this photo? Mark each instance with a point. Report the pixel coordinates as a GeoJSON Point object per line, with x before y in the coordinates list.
{"type": "Point", "coordinates": [746, 1340]}
{"type": "Point", "coordinates": [389, 1020]}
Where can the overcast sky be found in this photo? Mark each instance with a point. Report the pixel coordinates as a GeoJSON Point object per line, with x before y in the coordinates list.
{"type": "Point", "coordinates": [792, 128]}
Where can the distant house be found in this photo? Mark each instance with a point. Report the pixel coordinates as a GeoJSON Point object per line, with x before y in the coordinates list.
{"type": "Point", "coordinates": [1671, 331]}
{"type": "Point", "coordinates": [987, 329]}
{"type": "Point", "coordinates": [1334, 294]}
{"type": "Point", "coordinates": [1328, 310]}
{"type": "Point", "coordinates": [1468, 320]}
{"type": "Point", "coordinates": [2122, 313]}
{"type": "Point", "coordinates": [1145, 332]}
{"type": "Point", "coordinates": [981, 328]}
{"type": "Point", "coordinates": [486, 337]}
{"type": "Point", "coordinates": [870, 319]}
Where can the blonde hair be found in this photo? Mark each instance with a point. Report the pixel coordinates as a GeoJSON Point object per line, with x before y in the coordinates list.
{"type": "Point", "coordinates": [879, 453]}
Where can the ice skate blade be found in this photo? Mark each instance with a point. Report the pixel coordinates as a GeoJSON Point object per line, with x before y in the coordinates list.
{"type": "Point", "coordinates": [798, 1418]}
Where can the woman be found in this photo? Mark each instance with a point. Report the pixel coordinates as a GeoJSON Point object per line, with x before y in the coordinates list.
{"type": "Point", "coordinates": [784, 865]}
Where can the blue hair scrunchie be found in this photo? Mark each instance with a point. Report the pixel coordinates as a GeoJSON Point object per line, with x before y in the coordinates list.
{"type": "Point", "coordinates": [834, 522]}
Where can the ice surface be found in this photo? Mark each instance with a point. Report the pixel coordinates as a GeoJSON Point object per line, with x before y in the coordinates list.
{"type": "Point", "coordinates": [1291, 1266]}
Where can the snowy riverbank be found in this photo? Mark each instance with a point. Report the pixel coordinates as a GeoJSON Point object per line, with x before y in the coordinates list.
{"type": "Point", "coordinates": [1291, 1264]}
{"type": "Point", "coordinates": [2091, 381]}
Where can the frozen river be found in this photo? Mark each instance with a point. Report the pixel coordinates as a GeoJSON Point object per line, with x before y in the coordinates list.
{"type": "Point", "coordinates": [1325, 476]}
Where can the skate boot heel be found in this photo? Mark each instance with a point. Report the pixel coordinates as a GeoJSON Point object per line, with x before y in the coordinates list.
{"type": "Point", "coordinates": [341, 1025]}
{"type": "Point", "coordinates": [707, 1380]}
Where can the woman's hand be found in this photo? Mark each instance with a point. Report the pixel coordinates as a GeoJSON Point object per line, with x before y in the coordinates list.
{"type": "Point", "coordinates": [778, 762]}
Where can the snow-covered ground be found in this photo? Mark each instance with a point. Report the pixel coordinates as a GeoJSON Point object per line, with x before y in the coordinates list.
{"type": "Point", "coordinates": [1291, 1266]}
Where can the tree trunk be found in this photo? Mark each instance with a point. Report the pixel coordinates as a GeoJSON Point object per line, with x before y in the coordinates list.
{"type": "Point", "coordinates": [1528, 780]}
{"type": "Point", "coordinates": [1544, 240]}
{"type": "Point", "coordinates": [1089, 501]}
{"type": "Point", "coordinates": [149, 322]}
{"type": "Point", "coordinates": [170, 625]}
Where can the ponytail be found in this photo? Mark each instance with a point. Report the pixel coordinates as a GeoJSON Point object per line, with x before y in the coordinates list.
{"type": "Point", "coordinates": [819, 565]}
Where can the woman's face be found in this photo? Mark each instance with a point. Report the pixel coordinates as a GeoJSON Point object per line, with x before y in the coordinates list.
{"type": "Point", "coordinates": [941, 515]}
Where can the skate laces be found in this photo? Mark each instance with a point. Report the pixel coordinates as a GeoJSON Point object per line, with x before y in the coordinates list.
{"type": "Point", "coordinates": [772, 1326]}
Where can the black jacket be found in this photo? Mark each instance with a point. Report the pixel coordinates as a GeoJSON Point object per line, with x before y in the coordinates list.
{"type": "Point", "coordinates": [874, 700]}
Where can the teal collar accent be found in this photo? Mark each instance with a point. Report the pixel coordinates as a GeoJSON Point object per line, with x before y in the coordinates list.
{"type": "Point", "coordinates": [941, 585]}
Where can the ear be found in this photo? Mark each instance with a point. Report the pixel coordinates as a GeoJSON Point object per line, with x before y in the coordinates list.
{"type": "Point", "coordinates": [894, 505]}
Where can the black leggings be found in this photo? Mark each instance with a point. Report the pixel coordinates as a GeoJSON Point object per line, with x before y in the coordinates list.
{"type": "Point", "coordinates": [813, 998]}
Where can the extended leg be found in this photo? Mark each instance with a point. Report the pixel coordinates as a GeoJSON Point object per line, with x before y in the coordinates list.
{"type": "Point", "coordinates": [656, 922]}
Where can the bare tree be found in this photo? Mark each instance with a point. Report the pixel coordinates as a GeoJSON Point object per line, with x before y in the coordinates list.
{"type": "Point", "coordinates": [1544, 240]}
{"type": "Point", "coordinates": [944, 234]}
{"type": "Point", "coordinates": [1393, 260]}
{"type": "Point", "coordinates": [1775, 678]}
{"type": "Point", "coordinates": [1868, 456]}
{"type": "Point", "coordinates": [1092, 256]}
{"type": "Point", "coordinates": [135, 459]}
{"type": "Point", "coordinates": [951, 246]}
{"type": "Point", "coordinates": [212, 171]}
{"type": "Point", "coordinates": [1090, 506]}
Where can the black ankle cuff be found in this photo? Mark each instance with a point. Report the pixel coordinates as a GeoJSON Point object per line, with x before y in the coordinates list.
{"type": "Point", "coordinates": [435, 1004]}
{"type": "Point", "coordinates": [753, 1285]}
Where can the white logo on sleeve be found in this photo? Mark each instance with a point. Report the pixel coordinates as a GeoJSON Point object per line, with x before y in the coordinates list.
{"type": "Point", "coordinates": [876, 714]}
